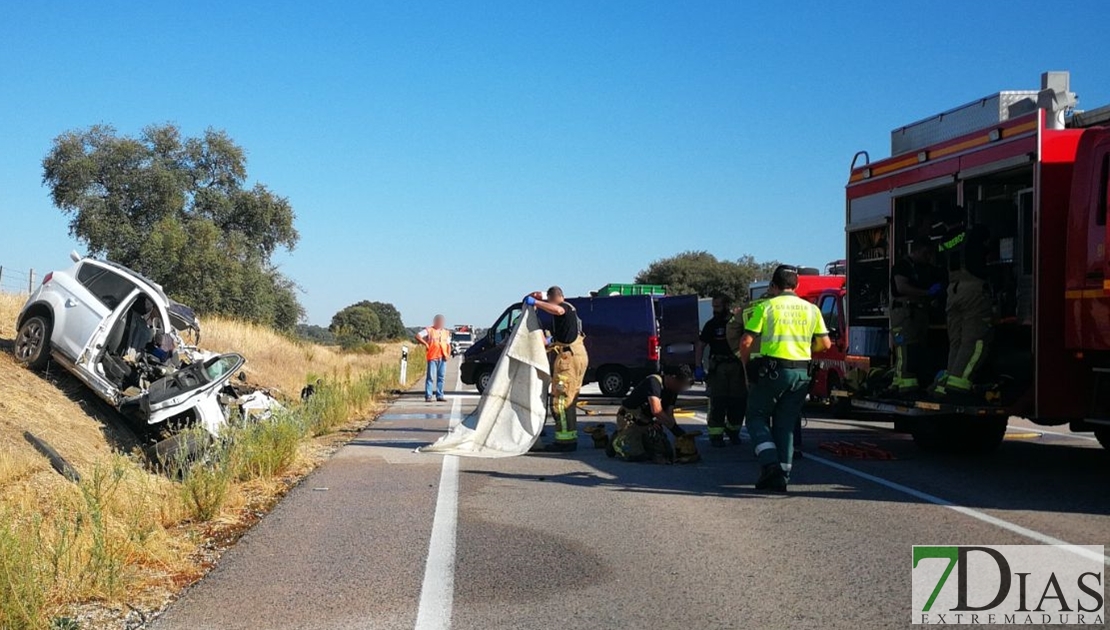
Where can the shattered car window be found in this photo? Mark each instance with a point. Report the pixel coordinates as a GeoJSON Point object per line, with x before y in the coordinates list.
{"type": "Point", "coordinates": [220, 366]}
{"type": "Point", "coordinates": [108, 286]}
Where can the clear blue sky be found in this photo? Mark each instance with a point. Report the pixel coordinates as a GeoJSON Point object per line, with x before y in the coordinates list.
{"type": "Point", "coordinates": [450, 157]}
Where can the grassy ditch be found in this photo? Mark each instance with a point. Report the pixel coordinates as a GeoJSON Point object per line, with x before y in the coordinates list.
{"type": "Point", "coordinates": [118, 544]}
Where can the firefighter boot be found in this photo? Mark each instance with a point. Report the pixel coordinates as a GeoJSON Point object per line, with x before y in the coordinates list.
{"type": "Point", "coordinates": [772, 478]}
{"type": "Point", "coordinates": [717, 440]}
{"type": "Point", "coordinates": [733, 436]}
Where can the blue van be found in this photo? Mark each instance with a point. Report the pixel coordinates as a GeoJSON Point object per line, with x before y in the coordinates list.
{"type": "Point", "coordinates": [627, 338]}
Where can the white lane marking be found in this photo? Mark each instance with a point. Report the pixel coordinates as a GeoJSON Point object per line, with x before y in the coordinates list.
{"type": "Point", "coordinates": [966, 511]}
{"type": "Point", "coordinates": [437, 594]}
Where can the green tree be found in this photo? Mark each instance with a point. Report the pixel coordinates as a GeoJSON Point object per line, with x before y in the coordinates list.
{"type": "Point", "coordinates": [315, 334]}
{"type": "Point", "coordinates": [178, 210]}
{"type": "Point", "coordinates": [356, 324]}
{"type": "Point", "coordinates": [390, 318]}
{"type": "Point", "coordinates": [701, 273]}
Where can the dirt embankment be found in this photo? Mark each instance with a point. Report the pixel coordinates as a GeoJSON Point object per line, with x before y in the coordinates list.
{"type": "Point", "coordinates": [110, 550]}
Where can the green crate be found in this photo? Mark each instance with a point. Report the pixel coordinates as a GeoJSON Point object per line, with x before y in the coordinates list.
{"type": "Point", "coordinates": [614, 288]}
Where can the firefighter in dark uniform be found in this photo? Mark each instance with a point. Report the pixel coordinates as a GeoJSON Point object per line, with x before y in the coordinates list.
{"type": "Point", "coordinates": [724, 377]}
{"type": "Point", "coordinates": [970, 307]}
{"type": "Point", "coordinates": [790, 331]}
{"type": "Point", "coordinates": [568, 367]}
{"type": "Point", "coordinates": [913, 285]}
{"type": "Point", "coordinates": [646, 412]}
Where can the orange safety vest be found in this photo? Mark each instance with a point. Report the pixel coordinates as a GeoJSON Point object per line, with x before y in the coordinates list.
{"type": "Point", "coordinates": [439, 343]}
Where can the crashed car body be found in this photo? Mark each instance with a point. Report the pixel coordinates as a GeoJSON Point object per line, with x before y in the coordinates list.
{"type": "Point", "coordinates": [119, 333]}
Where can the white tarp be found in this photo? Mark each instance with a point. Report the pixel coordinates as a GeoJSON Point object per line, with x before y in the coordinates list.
{"type": "Point", "coordinates": [513, 408]}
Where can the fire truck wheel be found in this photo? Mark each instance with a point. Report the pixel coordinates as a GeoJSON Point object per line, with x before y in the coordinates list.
{"type": "Point", "coordinates": [1103, 435]}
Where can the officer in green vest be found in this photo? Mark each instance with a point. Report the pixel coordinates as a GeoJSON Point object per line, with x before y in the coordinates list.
{"type": "Point", "coordinates": [790, 329]}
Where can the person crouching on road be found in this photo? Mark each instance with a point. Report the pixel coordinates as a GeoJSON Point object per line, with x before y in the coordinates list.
{"type": "Point", "coordinates": [724, 377]}
{"type": "Point", "coordinates": [568, 368]}
{"type": "Point", "coordinates": [790, 329]}
{"type": "Point", "coordinates": [437, 348]}
{"type": "Point", "coordinates": [646, 412]}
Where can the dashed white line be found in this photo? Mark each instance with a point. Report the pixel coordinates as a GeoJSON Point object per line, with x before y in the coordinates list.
{"type": "Point", "coordinates": [437, 594]}
{"type": "Point", "coordinates": [966, 511]}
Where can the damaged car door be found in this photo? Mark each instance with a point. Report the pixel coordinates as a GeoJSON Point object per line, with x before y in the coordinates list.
{"type": "Point", "coordinates": [194, 387]}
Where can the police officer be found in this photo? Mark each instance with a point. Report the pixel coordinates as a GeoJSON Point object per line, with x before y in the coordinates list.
{"type": "Point", "coordinates": [568, 368]}
{"type": "Point", "coordinates": [969, 306]}
{"type": "Point", "coordinates": [790, 330]}
{"type": "Point", "coordinates": [724, 377]}
{"type": "Point", "coordinates": [912, 286]}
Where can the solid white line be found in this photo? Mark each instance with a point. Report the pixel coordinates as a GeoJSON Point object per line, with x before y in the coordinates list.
{"type": "Point", "coordinates": [437, 594]}
{"type": "Point", "coordinates": [966, 511]}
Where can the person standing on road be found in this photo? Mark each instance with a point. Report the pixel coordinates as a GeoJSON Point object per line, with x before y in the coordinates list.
{"type": "Point", "coordinates": [723, 375]}
{"type": "Point", "coordinates": [568, 368]}
{"type": "Point", "coordinates": [912, 286]}
{"type": "Point", "coordinates": [644, 414]}
{"type": "Point", "coordinates": [437, 348]}
{"type": "Point", "coordinates": [790, 330]}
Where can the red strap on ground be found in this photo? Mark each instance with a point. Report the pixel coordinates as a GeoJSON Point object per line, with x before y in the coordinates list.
{"type": "Point", "coordinates": [857, 450]}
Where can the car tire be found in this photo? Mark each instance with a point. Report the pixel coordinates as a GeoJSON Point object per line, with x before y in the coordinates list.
{"type": "Point", "coordinates": [178, 450]}
{"type": "Point", "coordinates": [482, 378]}
{"type": "Point", "coordinates": [32, 342]}
{"type": "Point", "coordinates": [613, 382]}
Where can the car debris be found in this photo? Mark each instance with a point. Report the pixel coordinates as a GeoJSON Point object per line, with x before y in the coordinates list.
{"type": "Point", "coordinates": [136, 348]}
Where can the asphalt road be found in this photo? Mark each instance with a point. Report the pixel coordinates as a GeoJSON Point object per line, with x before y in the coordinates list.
{"type": "Point", "coordinates": [381, 537]}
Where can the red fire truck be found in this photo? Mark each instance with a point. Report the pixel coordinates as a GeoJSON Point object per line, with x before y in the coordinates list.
{"type": "Point", "coordinates": [1034, 171]}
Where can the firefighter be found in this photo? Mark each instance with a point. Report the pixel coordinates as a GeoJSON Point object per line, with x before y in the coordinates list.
{"type": "Point", "coordinates": [969, 305]}
{"type": "Point", "coordinates": [645, 412]}
{"type": "Point", "coordinates": [790, 330]}
{"type": "Point", "coordinates": [723, 375]}
{"type": "Point", "coordinates": [912, 287]}
{"type": "Point", "coordinates": [568, 366]}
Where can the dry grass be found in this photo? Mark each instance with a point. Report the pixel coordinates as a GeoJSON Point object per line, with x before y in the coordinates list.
{"type": "Point", "coordinates": [124, 534]}
{"type": "Point", "coordinates": [284, 363]}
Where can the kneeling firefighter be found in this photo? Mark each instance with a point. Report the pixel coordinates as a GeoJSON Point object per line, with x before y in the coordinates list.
{"type": "Point", "coordinates": [646, 412]}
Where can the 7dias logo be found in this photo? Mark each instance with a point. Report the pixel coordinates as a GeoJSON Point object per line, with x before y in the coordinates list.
{"type": "Point", "coordinates": [1009, 584]}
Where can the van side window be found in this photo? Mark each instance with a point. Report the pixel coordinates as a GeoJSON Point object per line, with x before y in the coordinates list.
{"type": "Point", "coordinates": [1103, 185]}
{"type": "Point", "coordinates": [108, 286]}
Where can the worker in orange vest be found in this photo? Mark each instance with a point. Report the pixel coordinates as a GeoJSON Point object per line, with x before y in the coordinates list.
{"type": "Point", "coordinates": [437, 348]}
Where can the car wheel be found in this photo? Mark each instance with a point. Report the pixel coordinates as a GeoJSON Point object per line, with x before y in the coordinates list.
{"type": "Point", "coordinates": [482, 379]}
{"type": "Point", "coordinates": [179, 451]}
{"type": "Point", "coordinates": [32, 342]}
{"type": "Point", "coordinates": [613, 382]}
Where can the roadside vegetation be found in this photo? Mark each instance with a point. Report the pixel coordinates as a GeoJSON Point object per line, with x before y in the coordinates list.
{"type": "Point", "coordinates": [121, 541]}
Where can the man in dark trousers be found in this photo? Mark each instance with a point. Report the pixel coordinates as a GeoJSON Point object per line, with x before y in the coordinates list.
{"type": "Point", "coordinates": [913, 285]}
{"type": "Point", "coordinates": [724, 377]}
{"type": "Point", "coordinates": [568, 368]}
{"type": "Point", "coordinates": [646, 412]}
{"type": "Point", "coordinates": [790, 330]}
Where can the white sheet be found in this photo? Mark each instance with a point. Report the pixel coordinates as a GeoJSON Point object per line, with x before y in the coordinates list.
{"type": "Point", "coordinates": [513, 409]}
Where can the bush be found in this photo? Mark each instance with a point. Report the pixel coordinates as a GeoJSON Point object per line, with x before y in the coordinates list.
{"type": "Point", "coordinates": [22, 591]}
{"type": "Point", "coordinates": [205, 484]}
{"type": "Point", "coordinates": [266, 448]}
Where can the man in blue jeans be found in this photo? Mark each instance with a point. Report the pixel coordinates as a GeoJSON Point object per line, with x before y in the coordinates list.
{"type": "Point", "coordinates": [437, 348]}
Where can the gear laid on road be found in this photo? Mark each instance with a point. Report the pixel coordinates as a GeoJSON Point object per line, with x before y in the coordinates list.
{"type": "Point", "coordinates": [857, 450]}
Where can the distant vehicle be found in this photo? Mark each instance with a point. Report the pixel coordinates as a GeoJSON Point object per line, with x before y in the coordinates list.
{"type": "Point", "coordinates": [624, 337]}
{"type": "Point", "coordinates": [118, 333]}
{"type": "Point", "coordinates": [462, 337]}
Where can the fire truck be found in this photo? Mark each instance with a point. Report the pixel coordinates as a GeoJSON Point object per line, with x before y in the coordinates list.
{"type": "Point", "coordinates": [1034, 171]}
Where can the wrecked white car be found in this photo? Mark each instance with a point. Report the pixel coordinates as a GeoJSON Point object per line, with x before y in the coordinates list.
{"type": "Point", "coordinates": [119, 333]}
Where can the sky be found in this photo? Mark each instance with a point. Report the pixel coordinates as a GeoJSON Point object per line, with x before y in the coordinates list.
{"type": "Point", "coordinates": [450, 157]}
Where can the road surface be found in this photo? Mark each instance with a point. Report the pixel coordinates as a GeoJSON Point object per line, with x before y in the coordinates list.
{"type": "Point", "coordinates": [382, 537]}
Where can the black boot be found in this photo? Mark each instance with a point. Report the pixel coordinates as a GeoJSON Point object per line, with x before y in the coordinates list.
{"type": "Point", "coordinates": [561, 447]}
{"type": "Point", "coordinates": [734, 437]}
{"type": "Point", "coordinates": [717, 440]}
{"type": "Point", "coordinates": [772, 478]}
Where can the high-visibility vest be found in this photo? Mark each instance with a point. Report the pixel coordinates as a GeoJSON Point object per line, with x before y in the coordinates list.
{"type": "Point", "coordinates": [787, 325]}
{"type": "Point", "coordinates": [439, 343]}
